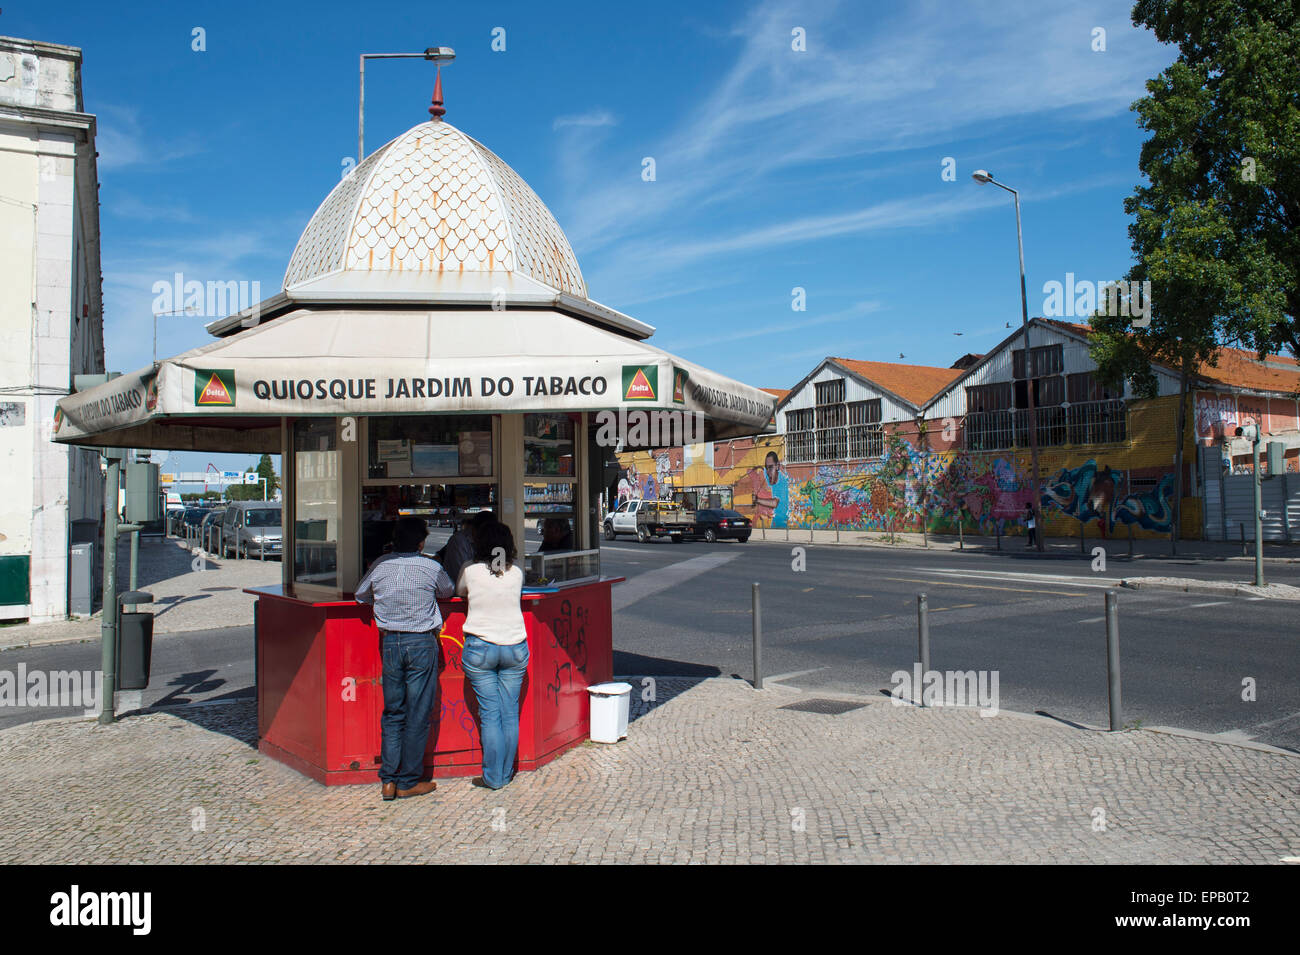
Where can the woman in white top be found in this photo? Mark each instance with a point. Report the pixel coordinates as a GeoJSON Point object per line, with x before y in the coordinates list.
{"type": "Point", "coordinates": [495, 655]}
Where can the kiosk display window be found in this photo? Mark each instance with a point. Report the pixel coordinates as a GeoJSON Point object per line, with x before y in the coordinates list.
{"type": "Point", "coordinates": [442, 505]}
{"type": "Point", "coordinates": [316, 501]}
{"type": "Point", "coordinates": [448, 446]}
{"type": "Point", "coordinates": [548, 445]}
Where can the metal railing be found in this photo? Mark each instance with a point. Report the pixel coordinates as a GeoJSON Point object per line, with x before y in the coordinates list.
{"type": "Point", "coordinates": [1088, 422]}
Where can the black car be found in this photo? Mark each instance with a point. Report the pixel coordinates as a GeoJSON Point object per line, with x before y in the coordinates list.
{"type": "Point", "coordinates": [718, 523]}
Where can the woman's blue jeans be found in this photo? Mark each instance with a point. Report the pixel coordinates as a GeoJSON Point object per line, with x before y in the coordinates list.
{"type": "Point", "coordinates": [496, 673]}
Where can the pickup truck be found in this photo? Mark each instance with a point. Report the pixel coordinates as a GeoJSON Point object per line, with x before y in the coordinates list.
{"type": "Point", "coordinates": [647, 519]}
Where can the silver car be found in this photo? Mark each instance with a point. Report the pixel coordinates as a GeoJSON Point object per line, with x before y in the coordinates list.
{"type": "Point", "coordinates": [251, 528]}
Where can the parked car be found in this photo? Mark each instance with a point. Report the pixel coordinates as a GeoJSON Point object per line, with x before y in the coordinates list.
{"type": "Point", "coordinates": [192, 520]}
{"type": "Point", "coordinates": [175, 515]}
{"type": "Point", "coordinates": [718, 523]}
{"type": "Point", "coordinates": [647, 519]}
{"type": "Point", "coordinates": [211, 529]}
{"type": "Point", "coordinates": [251, 527]}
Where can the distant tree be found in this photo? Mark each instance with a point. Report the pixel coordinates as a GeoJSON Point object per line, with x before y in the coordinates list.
{"type": "Point", "coordinates": [253, 492]}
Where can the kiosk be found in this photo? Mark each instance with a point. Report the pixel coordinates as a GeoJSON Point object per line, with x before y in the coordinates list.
{"type": "Point", "coordinates": [433, 352]}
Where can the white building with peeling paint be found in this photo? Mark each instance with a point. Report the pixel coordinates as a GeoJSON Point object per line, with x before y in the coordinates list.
{"type": "Point", "coordinates": [51, 321]}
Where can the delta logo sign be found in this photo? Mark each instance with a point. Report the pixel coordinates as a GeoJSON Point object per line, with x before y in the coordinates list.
{"type": "Point", "coordinates": [640, 382]}
{"type": "Point", "coordinates": [680, 377]}
{"type": "Point", "coordinates": [214, 387]}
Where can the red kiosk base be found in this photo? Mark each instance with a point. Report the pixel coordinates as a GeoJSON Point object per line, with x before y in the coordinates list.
{"type": "Point", "coordinates": [320, 694]}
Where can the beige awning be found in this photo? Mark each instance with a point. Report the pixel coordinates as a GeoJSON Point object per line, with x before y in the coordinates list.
{"type": "Point", "coordinates": [229, 395]}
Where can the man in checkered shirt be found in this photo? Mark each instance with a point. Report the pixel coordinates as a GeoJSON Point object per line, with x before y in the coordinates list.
{"type": "Point", "coordinates": [404, 587]}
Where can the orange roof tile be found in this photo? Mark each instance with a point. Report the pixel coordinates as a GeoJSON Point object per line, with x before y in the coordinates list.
{"type": "Point", "coordinates": [915, 383]}
{"type": "Point", "coordinates": [778, 392]}
{"type": "Point", "coordinates": [1236, 368]}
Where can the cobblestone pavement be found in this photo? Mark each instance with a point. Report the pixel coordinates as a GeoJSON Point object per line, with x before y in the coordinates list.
{"type": "Point", "coordinates": [712, 772]}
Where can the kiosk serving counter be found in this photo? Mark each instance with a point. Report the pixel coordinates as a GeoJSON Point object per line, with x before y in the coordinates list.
{"type": "Point", "coordinates": [319, 673]}
{"type": "Point", "coordinates": [433, 353]}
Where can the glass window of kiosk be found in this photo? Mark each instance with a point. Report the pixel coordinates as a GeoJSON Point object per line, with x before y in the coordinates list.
{"type": "Point", "coordinates": [315, 501]}
{"type": "Point", "coordinates": [438, 467]}
{"type": "Point", "coordinates": [550, 482]}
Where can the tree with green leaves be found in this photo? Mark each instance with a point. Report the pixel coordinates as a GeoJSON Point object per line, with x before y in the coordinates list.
{"type": "Point", "coordinates": [1215, 227]}
{"type": "Point", "coordinates": [253, 492]}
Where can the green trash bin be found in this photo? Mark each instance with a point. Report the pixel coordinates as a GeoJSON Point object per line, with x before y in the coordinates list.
{"type": "Point", "coordinates": [134, 642]}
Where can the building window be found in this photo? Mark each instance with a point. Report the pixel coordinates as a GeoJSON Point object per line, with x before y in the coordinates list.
{"type": "Point", "coordinates": [1069, 409]}
{"type": "Point", "coordinates": [866, 433]}
{"type": "Point", "coordinates": [832, 418]}
{"type": "Point", "coordinates": [800, 445]}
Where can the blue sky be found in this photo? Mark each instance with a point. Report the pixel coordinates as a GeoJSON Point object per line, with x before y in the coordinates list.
{"type": "Point", "coordinates": [774, 168]}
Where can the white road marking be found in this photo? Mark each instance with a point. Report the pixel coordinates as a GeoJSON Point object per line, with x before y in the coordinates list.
{"type": "Point", "coordinates": [1010, 576]}
{"type": "Point", "coordinates": [653, 581]}
{"type": "Point", "coordinates": [1212, 603]}
{"type": "Point", "coordinates": [792, 674]}
{"type": "Point", "coordinates": [1093, 620]}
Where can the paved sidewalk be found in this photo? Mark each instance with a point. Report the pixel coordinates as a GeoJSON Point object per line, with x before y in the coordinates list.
{"type": "Point", "coordinates": [189, 594]}
{"type": "Point", "coordinates": [714, 772]}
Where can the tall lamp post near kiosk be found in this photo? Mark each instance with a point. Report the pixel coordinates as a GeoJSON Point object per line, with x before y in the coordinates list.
{"type": "Point", "coordinates": [438, 54]}
{"type": "Point", "coordinates": [984, 177]}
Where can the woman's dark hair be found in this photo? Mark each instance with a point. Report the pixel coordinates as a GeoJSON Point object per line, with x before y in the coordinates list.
{"type": "Point", "coordinates": [494, 540]}
{"type": "Point", "coordinates": [409, 533]}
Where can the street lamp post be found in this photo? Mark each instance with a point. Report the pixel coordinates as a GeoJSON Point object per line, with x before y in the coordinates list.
{"type": "Point", "coordinates": [982, 176]}
{"type": "Point", "coordinates": [438, 54]}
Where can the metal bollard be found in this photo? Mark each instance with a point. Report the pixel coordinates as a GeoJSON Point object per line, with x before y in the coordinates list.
{"type": "Point", "coordinates": [1242, 525]}
{"type": "Point", "coordinates": [1112, 662]}
{"type": "Point", "coordinates": [1130, 539]}
{"type": "Point", "coordinates": [758, 641]}
{"type": "Point", "coordinates": [922, 645]}
{"type": "Point", "coordinates": [998, 527]}
{"type": "Point", "coordinates": [961, 538]}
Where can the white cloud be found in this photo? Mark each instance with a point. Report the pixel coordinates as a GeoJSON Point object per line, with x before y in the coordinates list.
{"type": "Point", "coordinates": [596, 117]}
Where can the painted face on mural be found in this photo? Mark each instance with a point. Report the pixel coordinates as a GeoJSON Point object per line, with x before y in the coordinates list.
{"type": "Point", "coordinates": [772, 468]}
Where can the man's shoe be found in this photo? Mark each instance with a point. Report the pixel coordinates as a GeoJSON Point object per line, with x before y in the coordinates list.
{"type": "Point", "coordinates": [419, 789]}
{"type": "Point", "coordinates": [388, 791]}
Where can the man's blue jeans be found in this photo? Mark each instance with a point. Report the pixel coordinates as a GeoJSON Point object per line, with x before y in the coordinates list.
{"type": "Point", "coordinates": [410, 679]}
{"type": "Point", "coordinates": [496, 673]}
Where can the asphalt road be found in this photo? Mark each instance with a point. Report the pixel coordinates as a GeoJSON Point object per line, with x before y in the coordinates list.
{"type": "Point", "coordinates": [847, 621]}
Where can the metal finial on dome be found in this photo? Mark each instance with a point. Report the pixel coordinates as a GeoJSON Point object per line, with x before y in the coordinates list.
{"type": "Point", "coordinates": [436, 110]}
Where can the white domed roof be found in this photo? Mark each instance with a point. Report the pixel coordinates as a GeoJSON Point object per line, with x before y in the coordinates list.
{"type": "Point", "coordinates": [435, 201]}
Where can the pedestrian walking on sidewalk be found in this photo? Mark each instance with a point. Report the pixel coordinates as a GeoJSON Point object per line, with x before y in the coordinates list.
{"type": "Point", "coordinates": [404, 587]}
{"type": "Point", "coordinates": [495, 655]}
{"type": "Point", "coordinates": [1030, 524]}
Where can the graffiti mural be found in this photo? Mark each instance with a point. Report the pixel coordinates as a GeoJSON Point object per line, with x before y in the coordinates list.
{"type": "Point", "coordinates": [1089, 493]}
{"type": "Point", "coordinates": [909, 489]}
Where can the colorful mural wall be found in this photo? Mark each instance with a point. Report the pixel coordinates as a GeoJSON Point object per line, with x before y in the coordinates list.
{"type": "Point", "coordinates": [1086, 490]}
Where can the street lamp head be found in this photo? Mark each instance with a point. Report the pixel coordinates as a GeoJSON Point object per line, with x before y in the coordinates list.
{"type": "Point", "coordinates": [440, 54]}
{"type": "Point", "coordinates": [981, 175]}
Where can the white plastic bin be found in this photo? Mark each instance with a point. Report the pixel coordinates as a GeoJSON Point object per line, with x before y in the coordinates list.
{"type": "Point", "coordinates": [609, 709]}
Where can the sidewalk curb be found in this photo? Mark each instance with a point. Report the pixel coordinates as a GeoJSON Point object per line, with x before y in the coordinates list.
{"type": "Point", "coordinates": [1202, 588]}
{"type": "Point", "coordinates": [978, 546]}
